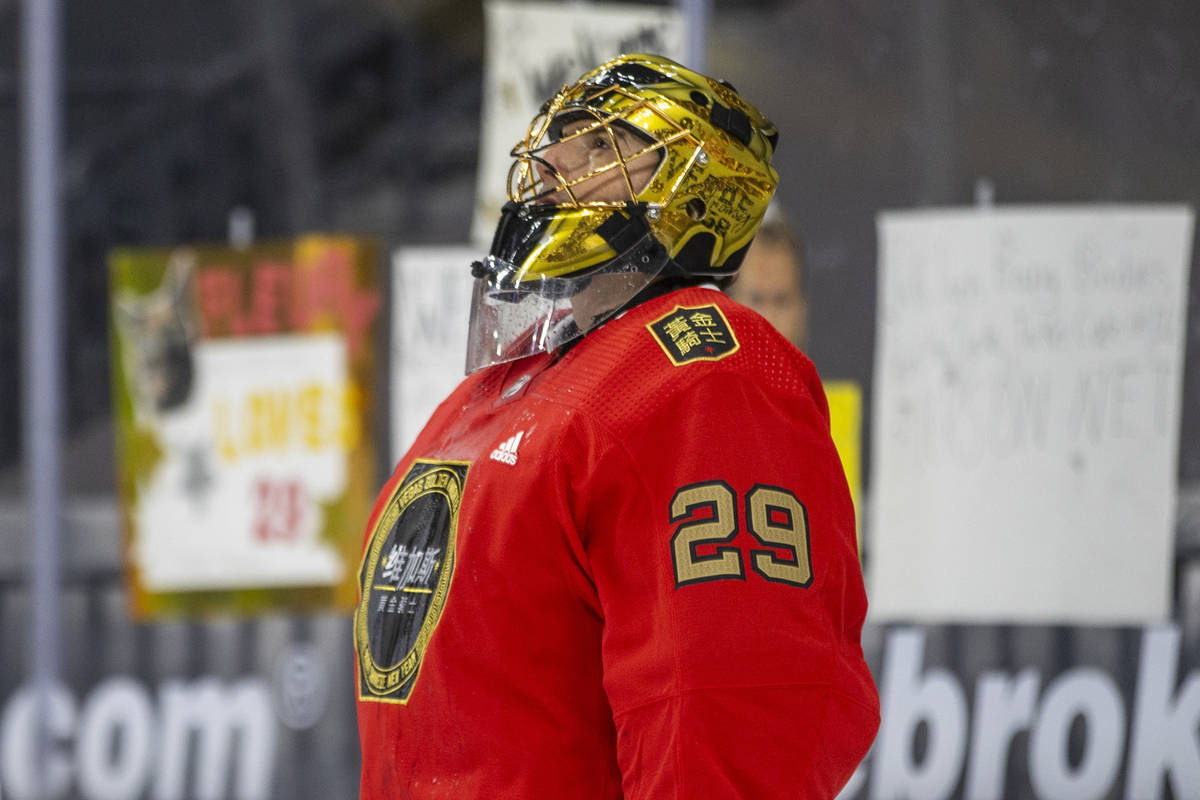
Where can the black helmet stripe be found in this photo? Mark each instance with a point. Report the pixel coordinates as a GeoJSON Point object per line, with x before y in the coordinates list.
{"type": "Point", "coordinates": [733, 122]}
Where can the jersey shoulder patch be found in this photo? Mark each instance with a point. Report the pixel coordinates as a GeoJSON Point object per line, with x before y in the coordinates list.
{"type": "Point", "coordinates": [694, 333]}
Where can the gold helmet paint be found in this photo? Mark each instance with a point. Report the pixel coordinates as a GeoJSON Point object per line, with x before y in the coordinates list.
{"type": "Point", "coordinates": [642, 169]}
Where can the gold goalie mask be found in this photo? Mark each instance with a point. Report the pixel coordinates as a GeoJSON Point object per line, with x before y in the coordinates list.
{"type": "Point", "coordinates": [642, 170]}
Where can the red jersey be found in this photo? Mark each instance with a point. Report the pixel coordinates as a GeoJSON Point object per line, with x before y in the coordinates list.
{"type": "Point", "coordinates": [628, 572]}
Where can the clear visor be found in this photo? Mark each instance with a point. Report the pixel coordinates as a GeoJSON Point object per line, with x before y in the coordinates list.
{"type": "Point", "coordinates": [513, 317]}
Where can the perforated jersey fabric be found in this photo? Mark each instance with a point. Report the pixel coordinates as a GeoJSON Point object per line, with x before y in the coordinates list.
{"type": "Point", "coordinates": [636, 577]}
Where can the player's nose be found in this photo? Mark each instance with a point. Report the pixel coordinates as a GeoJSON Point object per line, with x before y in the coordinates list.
{"type": "Point", "coordinates": [553, 167]}
{"type": "Point", "coordinates": [557, 158]}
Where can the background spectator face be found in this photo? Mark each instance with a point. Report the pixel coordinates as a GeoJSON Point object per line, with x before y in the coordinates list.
{"type": "Point", "coordinates": [772, 281]}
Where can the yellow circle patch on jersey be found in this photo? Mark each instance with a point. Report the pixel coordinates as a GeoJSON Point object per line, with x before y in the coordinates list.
{"type": "Point", "coordinates": [405, 578]}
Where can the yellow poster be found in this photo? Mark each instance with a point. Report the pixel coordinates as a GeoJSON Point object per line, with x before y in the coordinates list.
{"type": "Point", "coordinates": [243, 385]}
{"type": "Point", "coordinates": [845, 424]}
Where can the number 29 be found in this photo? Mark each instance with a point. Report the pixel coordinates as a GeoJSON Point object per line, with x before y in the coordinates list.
{"type": "Point", "coordinates": [774, 517]}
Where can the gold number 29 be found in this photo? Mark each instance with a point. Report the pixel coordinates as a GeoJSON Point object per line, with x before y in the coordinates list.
{"type": "Point", "coordinates": [707, 515]}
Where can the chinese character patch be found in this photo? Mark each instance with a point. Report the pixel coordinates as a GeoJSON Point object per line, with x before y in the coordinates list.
{"type": "Point", "coordinates": [405, 579]}
{"type": "Point", "coordinates": [694, 334]}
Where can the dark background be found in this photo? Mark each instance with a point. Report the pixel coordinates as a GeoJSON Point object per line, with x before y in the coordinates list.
{"type": "Point", "coordinates": [363, 116]}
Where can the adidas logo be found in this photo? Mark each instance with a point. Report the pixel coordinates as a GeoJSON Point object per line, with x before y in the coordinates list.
{"type": "Point", "coordinates": [506, 453]}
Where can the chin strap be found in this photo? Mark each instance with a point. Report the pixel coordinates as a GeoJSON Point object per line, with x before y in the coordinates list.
{"type": "Point", "coordinates": [624, 228]}
{"type": "Point", "coordinates": [628, 233]}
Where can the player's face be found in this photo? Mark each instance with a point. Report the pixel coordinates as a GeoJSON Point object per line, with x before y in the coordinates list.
{"type": "Point", "coordinates": [589, 163]}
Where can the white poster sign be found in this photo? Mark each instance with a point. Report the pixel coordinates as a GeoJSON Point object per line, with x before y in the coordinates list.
{"type": "Point", "coordinates": [1026, 413]}
{"type": "Point", "coordinates": [431, 299]}
{"type": "Point", "coordinates": [248, 463]}
{"type": "Point", "coordinates": [532, 49]}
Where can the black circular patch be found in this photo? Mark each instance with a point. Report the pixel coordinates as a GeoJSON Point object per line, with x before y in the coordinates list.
{"type": "Point", "coordinates": [405, 577]}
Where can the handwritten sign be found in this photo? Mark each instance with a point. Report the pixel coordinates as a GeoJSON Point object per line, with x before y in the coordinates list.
{"type": "Point", "coordinates": [1026, 413]}
{"type": "Point", "coordinates": [236, 500]}
{"type": "Point", "coordinates": [567, 41]}
{"type": "Point", "coordinates": [243, 387]}
{"type": "Point", "coordinates": [431, 305]}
